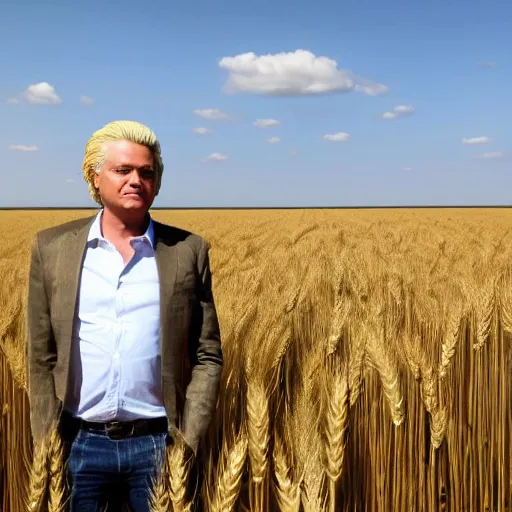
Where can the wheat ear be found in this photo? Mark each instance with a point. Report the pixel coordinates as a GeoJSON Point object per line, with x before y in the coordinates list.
{"type": "Point", "coordinates": [160, 499]}
{"type": "Point", "coordinates": [39, 476]}
{"type": "Point", "coordinates": [229, 477]}
{"type": "Point", "coordinates": [258, 429]}
{"type": "Point", "coordinates": [485, 310]}
{"type": "Point", "coordinates": [382, 361]}
{"type": "Point", "coordinates": [356, 363]}
{"type": "Point", "coordinates": [56, 470]}
{"type": "Point", "coordinates": [452, 337]}
{"type": "Point", "coordinates": [438, 424]}
{"type": "Point", "coordinates": [336, 422]}
{"type": "Point", "coordinates": [178, 472]}
{"type": "Point", "coordinates": [336, 419]}
{"type": "Point", "coordinates": [287, 491]}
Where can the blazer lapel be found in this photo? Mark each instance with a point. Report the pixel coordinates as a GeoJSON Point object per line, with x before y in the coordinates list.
{"type": "Point", "coordinates": [166, 254]}
{"type": "Point", "coordinates": [69, 268]}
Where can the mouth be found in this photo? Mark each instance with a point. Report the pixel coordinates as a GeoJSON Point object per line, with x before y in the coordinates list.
{"type": "Point", "coordinates": [133, 194]}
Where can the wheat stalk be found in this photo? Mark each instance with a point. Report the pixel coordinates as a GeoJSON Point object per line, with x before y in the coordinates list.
{"type": "Point", "coordinates": [56, 468]}
{"type": "Point", "coordinates": [258, 429]}
{"type": "Point", "coordinates": [178, 470]}
{"type": "Point", "coordinates": [505, 300]}
{"type": "Point", "coordinates": [229, 477]}
{"type": "Point", "coordinates": [287, 491]}
{"type": "Point", "coordinates": [160, 499]}
{"type": "Point", "coordinates": [485, 308]}
{"type": "Point", "coordinates": [429, 387]}
{"type": "Point", "coordinates": [356, 363]}
{"type": "Point", "coordinates": [39, 476]}
{"type": "Point", "coordinates": [452, 337]}
{"type": "Point", "coordinates": [336, 422]}
{"type": "Point", "coordinates": [382, 361]}
{"type": "Point", "coordinates": [438, 425]}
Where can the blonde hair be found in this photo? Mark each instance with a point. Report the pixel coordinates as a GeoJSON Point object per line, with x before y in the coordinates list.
{"type": "Point", "coordinates": [114, 131]}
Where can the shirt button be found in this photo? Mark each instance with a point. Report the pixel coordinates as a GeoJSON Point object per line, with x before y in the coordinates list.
{"type": "Point", "coordinates": [116, 355]}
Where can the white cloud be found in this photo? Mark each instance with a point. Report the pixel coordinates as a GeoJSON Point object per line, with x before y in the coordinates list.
{"type": "Point", "coordinates": [13, 101]}
{"type": "Point", "coordinates": [216, 157]}
{"type": "Point", "coordinates": [86, 100]}
{"type": "Point", "coordinates": [69, 180]}
{"type": "Point", "coordinates": [23, 148]}
{"type": "Point", "coordinates": [492, 154]}
{"type": "Point", "coordinates": [293, 152]}
{"type": "Point", "coordinates": [337, 137]}
{"type": "Point", "coordinates": [476, 140]}
{"type": "Point", "coordinates": [202, 131]}
{"type": "Point", "coordinates": [299, 73]}
{"type": "Point", "coordinates": [274, 140]}
{"type": "Point", "coordinates": [399, 111]}
{"type": "Point", "coordinates": [213, 114]}
{"type": "Point", "coordinates": [42, 93]}
{"type": "Point", "coordinates": [265, 123]}
{"type": "Point", "coordinates": [406, 168]}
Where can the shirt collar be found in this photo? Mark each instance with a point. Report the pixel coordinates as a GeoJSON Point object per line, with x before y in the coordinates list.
{"type": "Point", "coordinates": [95, 231]}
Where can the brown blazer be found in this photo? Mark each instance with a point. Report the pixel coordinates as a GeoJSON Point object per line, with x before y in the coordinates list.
{"type": "Point", "coordinates": [190, 336]}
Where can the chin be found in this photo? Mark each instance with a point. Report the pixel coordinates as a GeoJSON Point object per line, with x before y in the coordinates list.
{"type": "Point", "coordinates": [133, 205]}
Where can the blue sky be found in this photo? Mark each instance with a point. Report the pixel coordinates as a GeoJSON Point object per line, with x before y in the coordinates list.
{"type": "Point", "coordinates": [444, 67]}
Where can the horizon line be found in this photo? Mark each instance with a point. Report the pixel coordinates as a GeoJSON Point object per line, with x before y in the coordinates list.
{"type": "Point", "coordinates": [360, 207]}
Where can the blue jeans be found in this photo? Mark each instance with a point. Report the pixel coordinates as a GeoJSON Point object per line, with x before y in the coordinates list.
{"type": "Point", "coordinates": [102, 470]}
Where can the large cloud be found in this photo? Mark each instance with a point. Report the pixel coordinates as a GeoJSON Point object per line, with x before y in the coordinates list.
{"type": "Point", "coordinates": [42, 93]}
{"type": "Point", "coordinates": [299, 73]}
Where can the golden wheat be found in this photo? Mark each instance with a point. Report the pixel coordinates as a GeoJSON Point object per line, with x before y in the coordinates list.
{"type": "Point", "coordinates": [178, 474]}
{"type": "Point", "coordinates": [56, 473]}
{"type": "Point", "coordinates": [287, 490]}
{"type": "Point", "coordinates": [39, 477]}
{"type": "Point", "coordinates": [336, 423]}
{"type": "Point", "coordinates": [228, 479]}
{"type": "Point", "coordinates": [414, 307]}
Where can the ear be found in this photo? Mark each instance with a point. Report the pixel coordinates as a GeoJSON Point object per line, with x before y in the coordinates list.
{"type": "Point", "coordinates": [96, 181]}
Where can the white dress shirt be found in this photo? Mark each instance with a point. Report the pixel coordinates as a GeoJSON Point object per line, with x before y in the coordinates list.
{"type": "Point", "coordinates": [115, 363]}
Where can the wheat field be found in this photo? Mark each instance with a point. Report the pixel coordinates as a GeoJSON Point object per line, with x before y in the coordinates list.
{"type": "Point", "coordinates": [367, 363]}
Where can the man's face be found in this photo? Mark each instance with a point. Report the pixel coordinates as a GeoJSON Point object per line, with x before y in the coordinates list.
{"type": "Point", "coordinates": [128, 179]}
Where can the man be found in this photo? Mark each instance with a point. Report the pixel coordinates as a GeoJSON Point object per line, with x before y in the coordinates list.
{"type": "Point", "coordinates": [123, 336]}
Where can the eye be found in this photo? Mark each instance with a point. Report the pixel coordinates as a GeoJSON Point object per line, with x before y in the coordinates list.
{"type": "Point", "coordinates": [148, 173]}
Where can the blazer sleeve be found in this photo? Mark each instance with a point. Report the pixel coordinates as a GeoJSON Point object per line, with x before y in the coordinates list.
{"type": "Point", "coordinates": [202, 391]}
{"type": "Point", "coordinates": [41, 350]}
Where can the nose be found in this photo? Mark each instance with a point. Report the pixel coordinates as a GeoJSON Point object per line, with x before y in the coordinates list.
{"type": "Point", "coordinates": [134, 179]}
